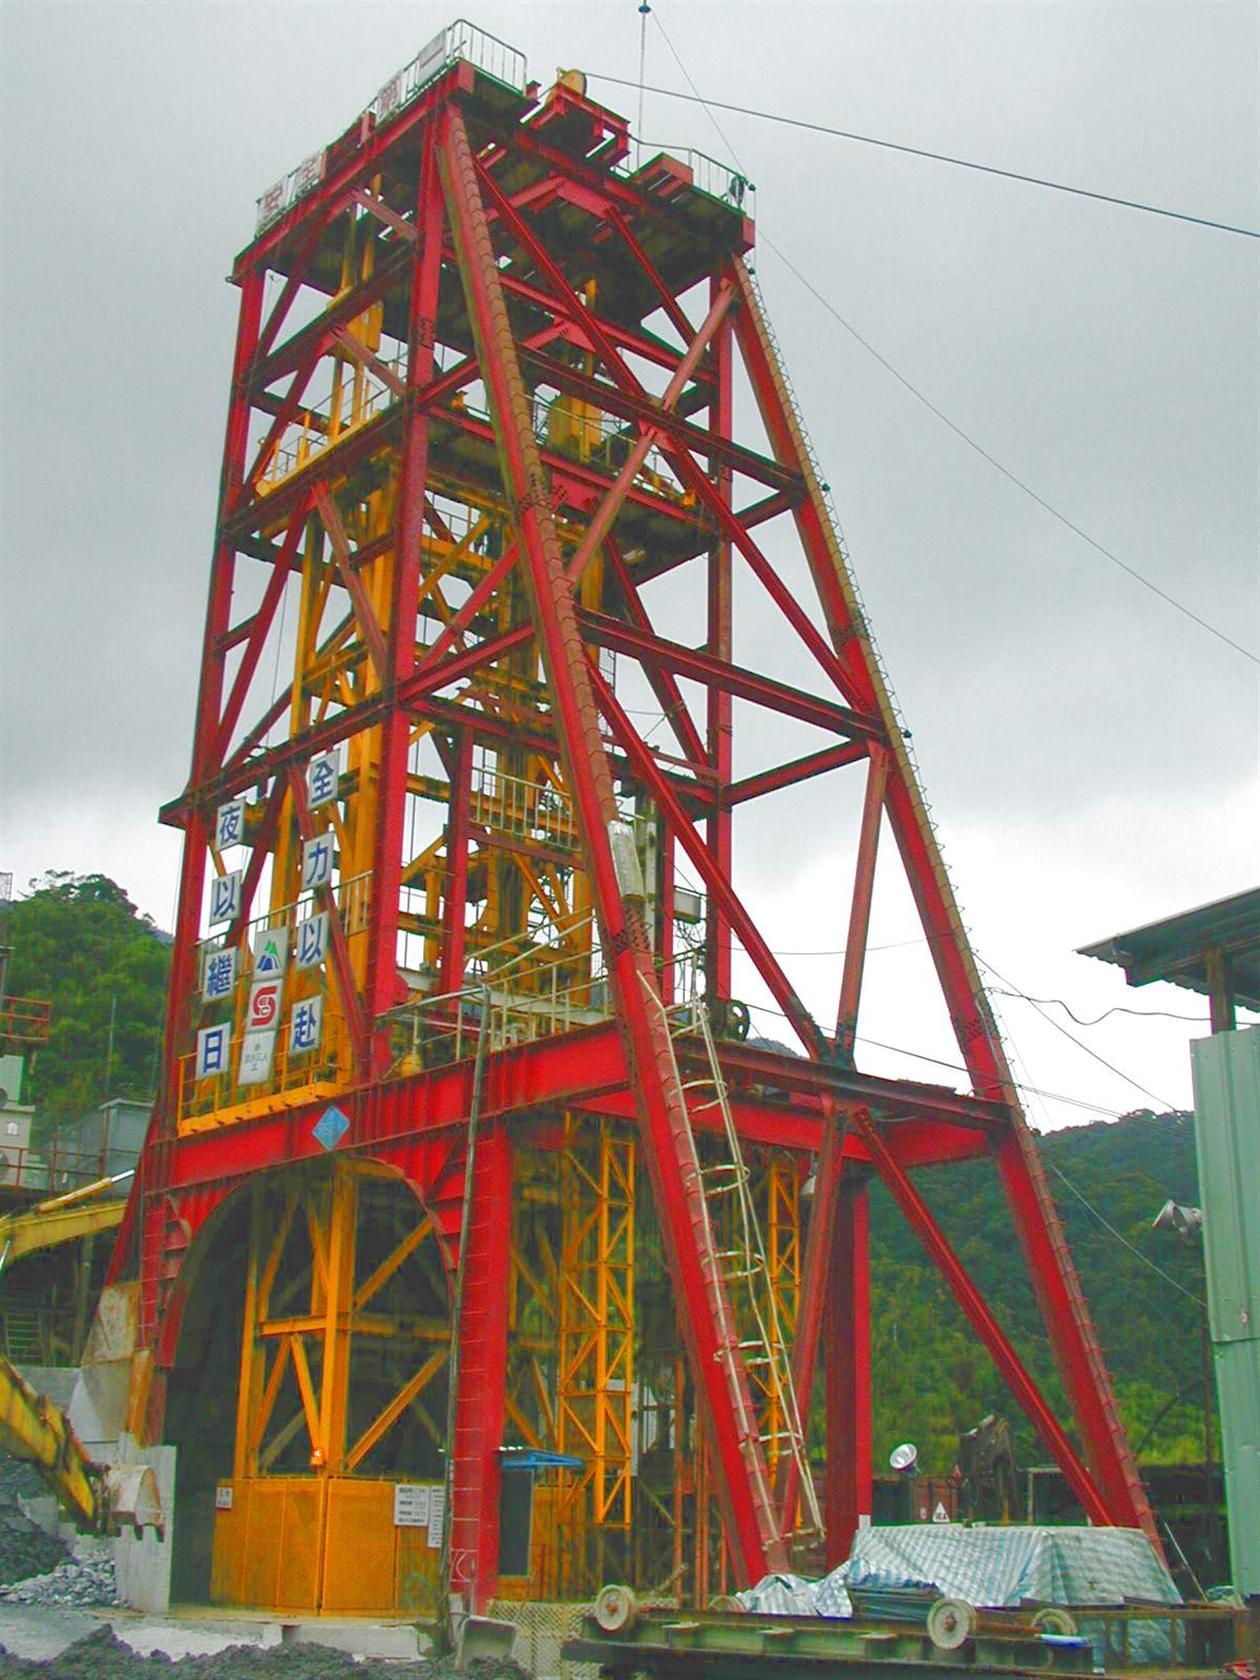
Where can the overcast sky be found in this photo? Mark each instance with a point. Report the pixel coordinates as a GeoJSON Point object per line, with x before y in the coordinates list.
{"type": "Point", "coordinates": [1090, 754]}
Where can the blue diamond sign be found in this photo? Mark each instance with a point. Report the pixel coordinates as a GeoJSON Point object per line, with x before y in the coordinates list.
{"type": "Point", "coordinates": [330, 1128]}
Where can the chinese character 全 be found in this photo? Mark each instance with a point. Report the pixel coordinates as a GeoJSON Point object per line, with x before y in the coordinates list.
{"type": "Point", "coordinates": [321, 778]}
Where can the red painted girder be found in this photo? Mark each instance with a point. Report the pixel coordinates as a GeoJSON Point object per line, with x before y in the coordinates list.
{"type": "Point", "coordinates": [669, 1148]}
{"type": "Point", "coordinates": [847, 1492]}
{"type": "Point", "coordinates": [617, 190]}
{"type": "Point", "coordinates": [357, 171]}
{"type": "Point", "coordinates": [480, 1406]}
{"type": "Point", "coordinates": [701, 440]}
{"type": "Point", "coordinates": [588, 1069]}
{"type": "Point", "coordinates": [665, 688]}
{"type": "Point", "coordinates": [270, 511]}
{"type": "Point", "coordinates": [732, 679]}
{"type": "Point", "coordinates": [797, 770]}
{"type": "Point", "coordinates": [986, 1326]}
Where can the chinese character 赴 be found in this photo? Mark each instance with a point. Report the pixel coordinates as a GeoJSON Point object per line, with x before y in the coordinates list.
{"type": "Point", "coordinates": [317, 862]}
{"type": "Point", "coordinates": [304, 1026]}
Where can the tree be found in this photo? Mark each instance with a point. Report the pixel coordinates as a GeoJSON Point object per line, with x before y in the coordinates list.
{"type": "Point", "coordinates": [79, 941]}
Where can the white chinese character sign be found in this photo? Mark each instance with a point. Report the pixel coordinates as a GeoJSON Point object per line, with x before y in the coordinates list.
{"type": "Point", "coordinates": [321, 779]}
{"type": "Point", "coordinates": [225, 895]}
{"type": "Point", "coordinates": [317, 862]}
{"type": "Point", "coordinates": [271, 952]}
{"type": "Point", "coordinates": [218, 974]}
{"type": "Point", "coordinates": [229, 824]}
{"type": "Point", "coordinates": [257, 1052]}
{"type": "Point", "coordinates": [213, 1045]}
{"type": "Point", "coordinates": [264, 1005]}
{"type": "Point", "coordinates": [311, 941]}
{"type": "Point", "coordinates": [306, 1026]}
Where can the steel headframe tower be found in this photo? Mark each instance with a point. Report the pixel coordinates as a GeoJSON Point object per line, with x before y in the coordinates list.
{"type": "Point", "coordinates": [482, 400]}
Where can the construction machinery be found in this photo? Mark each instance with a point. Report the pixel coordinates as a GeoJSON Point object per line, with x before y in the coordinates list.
{"type": "Point", "coordinates": [512, 462]}
{"type": "Point", "coordinates": [99, 1498]}
{"type": "Point", "coordinates": [85, 1212]}
{"type": "Point", "coordinates": [102, 1499]}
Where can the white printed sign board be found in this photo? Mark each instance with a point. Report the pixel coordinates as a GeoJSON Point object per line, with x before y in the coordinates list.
{"type": "Point", "coordinates": [257, 1052]}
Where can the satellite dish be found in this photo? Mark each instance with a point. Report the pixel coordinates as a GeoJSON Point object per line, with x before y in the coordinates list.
{"type": "Point", "coordinates": [4, 1097]}
{"type": "Point", "coordinates": [904, 1457]}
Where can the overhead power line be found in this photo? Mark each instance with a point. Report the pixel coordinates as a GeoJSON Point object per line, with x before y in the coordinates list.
{"type": "Point", "coordinates": [936, 157]}
{"type": "Point", "coordinates": [922, 397]}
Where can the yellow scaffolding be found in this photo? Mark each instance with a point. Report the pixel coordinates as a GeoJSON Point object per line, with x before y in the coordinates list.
{"type": "Point", "coordinates": [595, 1378]}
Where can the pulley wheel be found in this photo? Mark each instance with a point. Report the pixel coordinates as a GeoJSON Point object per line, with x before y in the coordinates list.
{"type": "Point", "coordinates": [1052, 1618]}
{"type": "Point", "coordinates": [616, 1609]}
{"type": "Point", "coordinates": [950, 1623]}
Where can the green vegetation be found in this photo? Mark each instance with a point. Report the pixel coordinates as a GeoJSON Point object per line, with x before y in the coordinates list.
{"type": "Point", "coordinates": [932, 1377]}
{"type": "Point", "coordinates": [79, 941]}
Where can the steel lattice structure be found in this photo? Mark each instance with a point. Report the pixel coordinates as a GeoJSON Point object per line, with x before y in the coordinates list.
{"type": "Point", "coordinates": [481, 435]}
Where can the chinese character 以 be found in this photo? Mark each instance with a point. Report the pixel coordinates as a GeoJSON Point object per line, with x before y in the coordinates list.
{"type": "Point", "coordinates": [225, 896]}
{"type": "Point", "coordinates": [312, 940]}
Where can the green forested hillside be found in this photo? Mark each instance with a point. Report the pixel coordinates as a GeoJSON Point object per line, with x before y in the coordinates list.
{"type": "Point", "coordinates": [932, 1377]}
{"type": "Point", "coordinates": [81, 942]}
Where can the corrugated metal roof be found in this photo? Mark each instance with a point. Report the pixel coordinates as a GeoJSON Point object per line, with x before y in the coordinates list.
{"type": "Point", "coordinates": [1177, 948]}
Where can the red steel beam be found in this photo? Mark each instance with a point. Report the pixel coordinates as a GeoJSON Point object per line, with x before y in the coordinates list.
{"type": "Point", "coordinates": [669, 1150]}
{"type": "Point", "coordinates": [847, 1490]}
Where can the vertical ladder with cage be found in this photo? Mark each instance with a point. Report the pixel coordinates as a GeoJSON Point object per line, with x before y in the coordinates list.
{"type": "Point", "coordinates": [725, 1187]}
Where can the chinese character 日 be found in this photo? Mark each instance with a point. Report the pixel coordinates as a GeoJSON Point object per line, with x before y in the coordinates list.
{"type": "Point", "coordinates": [229, 825]}
{"type": "Point", "coordinates": [219, 980]}
{"type": "Point", "coordinates": [305, 1024]}
{"type": "Point", "coordinates": [312, 941]}
{"type": "Point", "coordinates": [225, 896]}
{"type": "Point", "coordinates": [321, 778]}
{"type": "Point", "coordinates": [317, 859]}
{"type": "Point", "coordinates": [212, 1050]}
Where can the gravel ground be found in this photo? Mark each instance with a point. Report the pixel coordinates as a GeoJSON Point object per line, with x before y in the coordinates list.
{"type": "Point", "coordinates": [25, 1549]}
{"type": "Point", "coordinates": [102, 1656]}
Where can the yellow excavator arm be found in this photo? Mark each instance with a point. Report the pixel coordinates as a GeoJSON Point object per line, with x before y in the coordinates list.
{"type": "Point", "coordinates": [61, 1220]}
{"type": "Point", "coordinates": [99, 1498]}
{"type": "Point", "coordinates": [31, 1427]}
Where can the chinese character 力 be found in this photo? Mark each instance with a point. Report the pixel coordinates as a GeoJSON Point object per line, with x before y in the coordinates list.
{"type": "Point", "coordinates": [317, 862]}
